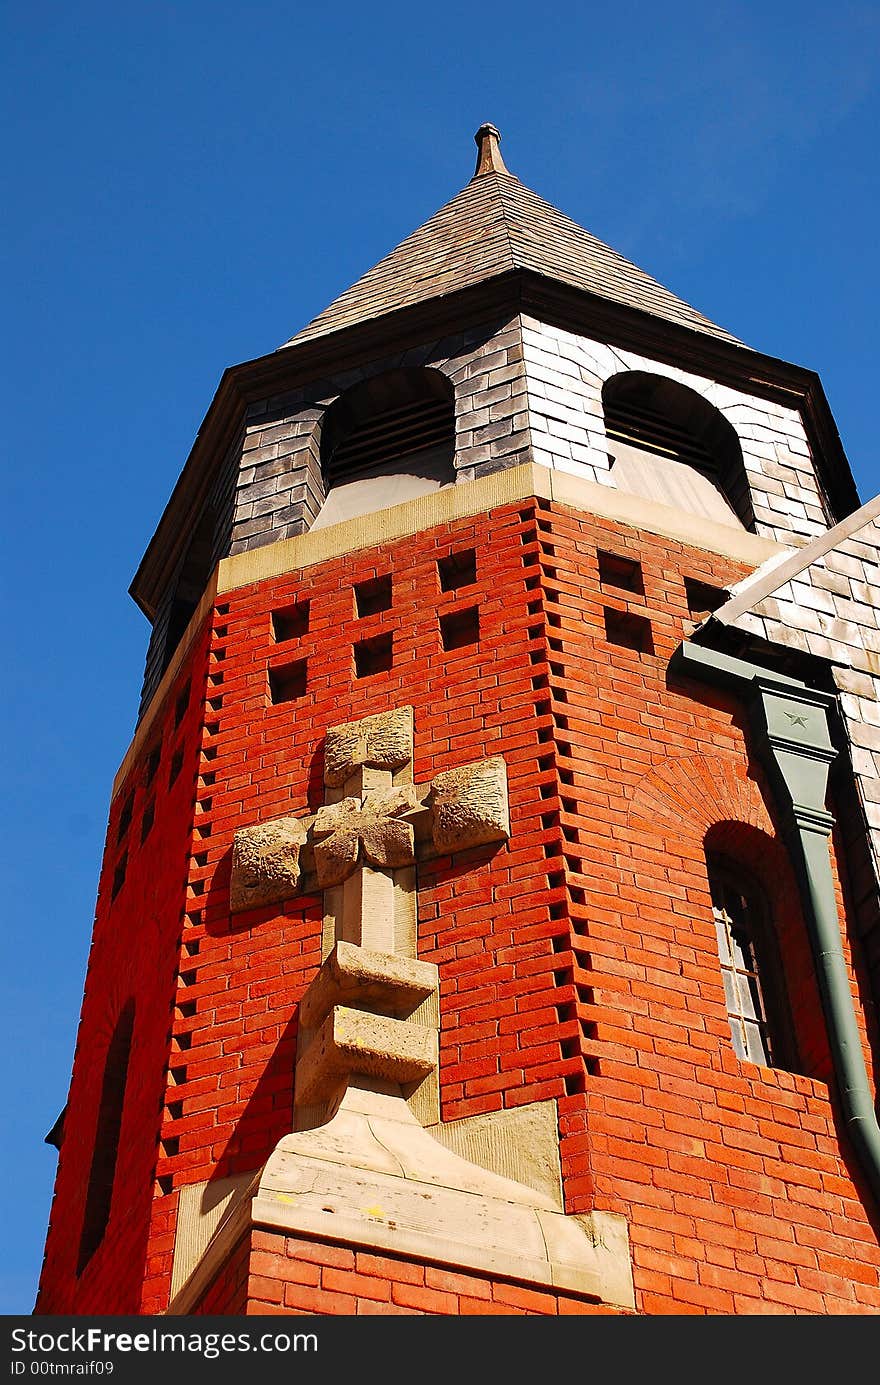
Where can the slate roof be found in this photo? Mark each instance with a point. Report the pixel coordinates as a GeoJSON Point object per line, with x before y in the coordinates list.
{"type": "Point", "coordinates": [496, 224]}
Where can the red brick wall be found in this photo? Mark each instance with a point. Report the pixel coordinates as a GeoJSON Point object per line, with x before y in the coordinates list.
{"type": "Point", "coordinates": [291, 1275]}
{"type": "Point", "coordinates": [578, 963]}
{"type": "Point", "coordinates": [228, 1292]}
{"type": "Point", "coordinates": [135, 951]}
{"type": "Point", "coordinates": [731, 1175]}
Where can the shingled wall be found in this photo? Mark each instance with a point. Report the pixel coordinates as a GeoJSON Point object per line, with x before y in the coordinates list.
{"type": "Point", "coordinates": [565, 374]}
{"type": "Point", "coordinates": [824, 600]}
{"type": "Point", "coordinates": [524, 390]}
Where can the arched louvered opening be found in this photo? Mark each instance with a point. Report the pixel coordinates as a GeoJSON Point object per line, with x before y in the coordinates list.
{"type": "Point", "coordinates": [670, 445]}
{"type": "Point", "coordinates": [102, 1174]}
{"type": "Point", "coordinates": [387, 440]}
{"type": "Point", "coordinates": [191, 584]}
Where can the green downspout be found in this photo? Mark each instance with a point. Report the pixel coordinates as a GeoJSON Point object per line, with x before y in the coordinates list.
{"type": "Point", "coordinates": [790, 724]}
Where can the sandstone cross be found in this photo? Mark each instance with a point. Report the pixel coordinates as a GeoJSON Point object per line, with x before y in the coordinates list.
{"type": "Point", "coordinates": [367, 1163]}
{"type": "Point", "coordinates": [370, 1015]}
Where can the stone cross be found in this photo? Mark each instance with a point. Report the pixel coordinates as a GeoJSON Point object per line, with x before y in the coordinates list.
{"type": "Point", "coordinates": [365, 1164]}
{"type": "Point", "coordinates": [370, 1015]}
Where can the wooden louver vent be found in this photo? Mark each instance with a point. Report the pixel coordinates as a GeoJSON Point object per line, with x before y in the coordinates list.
{"type": "Point", "coordinates": [393, 433]}
{"type": "Point", "coordinates": [644, 427]}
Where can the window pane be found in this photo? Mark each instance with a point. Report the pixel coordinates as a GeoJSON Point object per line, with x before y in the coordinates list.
{"type": "Point", "coordinates": [730, 996]}
{"type": "Point", "coordinates": [737, 1035]}
{"type": "Point", "coordinates": [756, 1049]}
{"type": "Point", "coordinates": [736, 915]}
{"type": "Point", "coordinates": [721, 931]}
{"type": "Point", "coordinates": [750, 998]}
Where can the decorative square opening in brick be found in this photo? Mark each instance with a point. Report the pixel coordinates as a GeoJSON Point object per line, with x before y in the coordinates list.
{"type": "Point", "coordinates": [373, 656]}
{"type": "Point", "coordinates": [119, 875]}
{"type": "Point", "coordinates": [373, 596]}
{"type": "Point", "coordinates": [629, 631]}
{"type": "Point", "coordinates": [291, 623]}
{"type": "Point", "coordinates": [153, 760]}
{"type": "Point", "coordinates": [147, 820]}
{"type": "Point", "coordinates": [288, 682]}
{"type": "Point", "coordinates": [457, 570]}
{"type": "Point", "coordinates": [176, 767]}
{"type": "Point", "coordinates": [125, 817]}
{"type": "Point", "coordinates": [702, 598]}
{"type": "Point", "coordinates": [460, 628]}
{"type": "Point", "coordinates": [624, 573]}
{"type": "Point", "coordinates": [181, 705]}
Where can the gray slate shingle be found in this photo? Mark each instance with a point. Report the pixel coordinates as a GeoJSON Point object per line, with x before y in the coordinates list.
{"type": "Point", "coordinates": [493, 225]}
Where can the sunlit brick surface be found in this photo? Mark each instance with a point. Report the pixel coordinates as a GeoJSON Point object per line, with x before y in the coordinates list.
{"type": "Point", "coordinates": [577, 962]}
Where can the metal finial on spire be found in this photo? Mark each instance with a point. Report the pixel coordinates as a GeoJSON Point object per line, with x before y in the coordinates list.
{"type": "Point", "coordinates": [489, 160]}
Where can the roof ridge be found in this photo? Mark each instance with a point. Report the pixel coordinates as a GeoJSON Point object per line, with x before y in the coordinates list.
{"type": "Point", "coordinates": [498, 192]}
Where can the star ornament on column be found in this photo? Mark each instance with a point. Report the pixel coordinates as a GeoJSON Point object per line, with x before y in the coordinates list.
{"type": "Point", "coordinates": [795, 719]}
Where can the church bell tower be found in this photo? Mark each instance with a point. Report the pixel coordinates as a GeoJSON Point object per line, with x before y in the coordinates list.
{"type": "Point", "coordinates": [488, 918]}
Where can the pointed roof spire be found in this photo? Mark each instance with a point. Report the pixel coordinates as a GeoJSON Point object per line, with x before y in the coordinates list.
{"type": "Point", "coordinates": [495, 225]}
{"type": "Point", "coordinates": [489, 160]}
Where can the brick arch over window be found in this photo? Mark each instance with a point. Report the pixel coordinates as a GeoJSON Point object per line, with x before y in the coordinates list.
{"type": "Point", "coordinates": [386, 440]}
{"type": "Point", "coordinates": [669, 444]}
{"type": "Point", "coordinates": [686, 796]}
{"type": "Point", "coordinates": [102, 1173]}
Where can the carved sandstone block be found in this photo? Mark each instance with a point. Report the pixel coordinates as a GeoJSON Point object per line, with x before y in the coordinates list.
{"type": "Point", "coordinates": [382, 741]}
{"type": "Point", "coordinates": [265, 863]}
{"type": "Point", "coordinates": [358, 976]}
{"type": "Point", "coordinates": [469, 806]}
{"type": "Point", "coordinates": [376, 831]}
{"type": "Point", "coordinates": [354, 1042]}
{"type": "Point", "coordinates": [372, 1178]}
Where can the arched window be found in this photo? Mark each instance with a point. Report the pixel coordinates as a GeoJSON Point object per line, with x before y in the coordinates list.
{"type": "Point", "coordinates": [387, 440]}
{"type": "Point", "coordinates": [754, 990]}
{"type": "Point", "coordinates": [99, 1195]}
{"type": "Point", "coordinates": [669, 444]}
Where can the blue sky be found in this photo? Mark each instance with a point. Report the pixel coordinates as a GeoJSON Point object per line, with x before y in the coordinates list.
{"type": "Point", "coordinates": [186, 184]}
